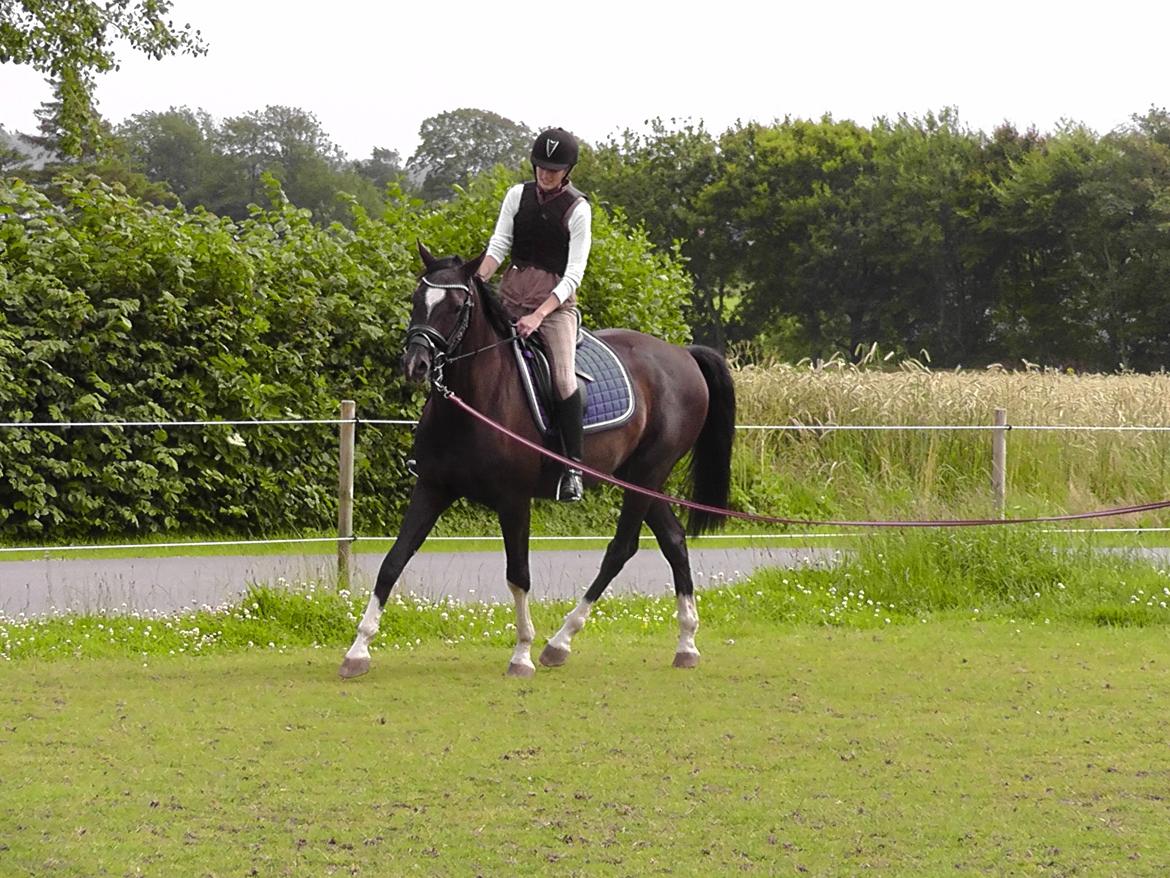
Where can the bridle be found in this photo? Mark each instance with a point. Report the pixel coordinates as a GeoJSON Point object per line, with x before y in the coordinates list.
{"type": "Point", "coordinates": [429, 337]}
{"type": "Point", "coordinates": [442, 346]}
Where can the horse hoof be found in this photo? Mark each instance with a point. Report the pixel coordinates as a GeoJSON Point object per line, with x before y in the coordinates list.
{"type": "Point", "coordinates": [354, 667]}
{"type": "Point", "coordinates": [515, 669]}
{"type": "Point", "coordinates": [553, 656]}
{"type": "Point", "coordinates": [686, 659]}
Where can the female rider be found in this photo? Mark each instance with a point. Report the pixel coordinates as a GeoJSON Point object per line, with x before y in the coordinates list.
{"type": "Point", "coordinates": [545, 225]}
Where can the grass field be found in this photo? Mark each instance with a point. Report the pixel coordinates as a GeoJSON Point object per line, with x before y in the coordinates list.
{"type": "Point", "coordinates": [967, 703]}
{"type": "Point", "coordinates": [953, 747]}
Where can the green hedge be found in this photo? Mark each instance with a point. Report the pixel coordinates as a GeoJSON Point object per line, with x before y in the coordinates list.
{"type": "Point", "coordinates": [113, 309]}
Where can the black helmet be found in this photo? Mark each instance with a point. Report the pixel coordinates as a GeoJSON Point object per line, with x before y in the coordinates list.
{"type": "Point", "coordinates": [555, 149]}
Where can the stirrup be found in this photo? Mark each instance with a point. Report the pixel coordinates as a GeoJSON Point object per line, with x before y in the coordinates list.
{"type": "Point", "coordinates": [570, 488]}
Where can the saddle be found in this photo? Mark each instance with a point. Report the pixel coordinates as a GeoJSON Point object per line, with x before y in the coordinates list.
{"type": "Point", "coordinates": [609, 395]}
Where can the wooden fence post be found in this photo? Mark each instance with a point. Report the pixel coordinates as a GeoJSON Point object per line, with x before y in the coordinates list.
{"type": "Point", "coordinates": [999, 461]}
{"type": "Point", "coordinates": [345, 491]}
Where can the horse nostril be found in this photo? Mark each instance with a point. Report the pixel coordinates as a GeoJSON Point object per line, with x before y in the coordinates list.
{"type": "Point", "coordinates": [416, 368]}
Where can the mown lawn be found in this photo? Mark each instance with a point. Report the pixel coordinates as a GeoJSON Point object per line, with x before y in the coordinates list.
{"type": "Point", "coordinates": [947, 747]}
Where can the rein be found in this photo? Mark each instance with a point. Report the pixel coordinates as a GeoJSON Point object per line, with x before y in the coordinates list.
{"type": "Point", "coordinates": [486, 347]}
{"type": "Point", "coordinates": [770, 519]}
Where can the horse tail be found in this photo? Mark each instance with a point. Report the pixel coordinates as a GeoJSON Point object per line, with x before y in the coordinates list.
{"type": "Point", "coordinates": [710, 466]}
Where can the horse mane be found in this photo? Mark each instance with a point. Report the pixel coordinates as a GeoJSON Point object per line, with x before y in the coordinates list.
{"type": "Point", "coordinates": [493, 308]}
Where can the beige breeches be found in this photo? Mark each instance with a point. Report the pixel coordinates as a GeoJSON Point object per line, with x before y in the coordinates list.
{"type": "Point", "coordinates": [523, 290]}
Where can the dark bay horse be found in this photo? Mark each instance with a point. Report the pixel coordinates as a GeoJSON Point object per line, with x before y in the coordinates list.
{"type": "Point", "coordinates": [685, 402]}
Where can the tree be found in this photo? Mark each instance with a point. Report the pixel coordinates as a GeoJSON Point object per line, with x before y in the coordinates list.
{"type": "Point", "coordinates": [382, 168]}
{"type": "Point", "coordinates": [103, 156]}
{"type": "Point", "coordinates": [73, 40]}
{"type": "Point", "coordinates": [460, 144]}
{"type": "Point", "coordinates": [1144, 171]}
{"type": "Point", "coordinates": [657, 179]}
{"type": "Point", "coordinates": [1088, 217]}
{"type": "Point", "coordinates": [927, 203]}
{"type": "Point", "coordinates": [180, 147]}
{"type": "Point", "coordinates": [221, 167]}
{"type": "Point", "coordinates": [788, 195]}
{"type": "Point", "coordinates": [1064, 234]}
{"type": "Point", "coordinates": [12, 156]}
{"type": "Point", "coordinates": [176, 146]}
{"type": "Point", "coordinates": [290, 144]}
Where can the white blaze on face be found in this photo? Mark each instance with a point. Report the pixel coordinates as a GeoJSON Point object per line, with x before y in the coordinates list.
{"type": "Point", "coordinates": [433, 298]}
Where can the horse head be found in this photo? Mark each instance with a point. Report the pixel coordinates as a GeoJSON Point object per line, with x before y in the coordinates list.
{"type": "Point", "coordinates": [442, 305]}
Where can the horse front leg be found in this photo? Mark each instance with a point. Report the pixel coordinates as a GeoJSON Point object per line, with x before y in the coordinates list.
{"type": "Point", "coordinates": [514, 525]}
{"type": "Point", "coordinates": [426, 504]}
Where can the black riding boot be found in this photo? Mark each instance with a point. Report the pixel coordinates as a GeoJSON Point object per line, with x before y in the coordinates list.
{"type": "Point", "coordinates": [570, 414]}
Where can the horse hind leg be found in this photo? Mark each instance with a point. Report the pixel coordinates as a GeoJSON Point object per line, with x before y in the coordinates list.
{"type": "Point", "coordinates": [621, 549]}
{"type": "Point", "coordinates": [672, 540]}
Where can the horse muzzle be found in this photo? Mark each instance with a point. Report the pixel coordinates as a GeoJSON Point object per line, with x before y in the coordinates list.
{"type": "Point", "coordinates": [416, 363]}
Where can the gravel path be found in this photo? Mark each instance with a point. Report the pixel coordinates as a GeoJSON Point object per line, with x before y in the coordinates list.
{"type": "Point", "coordinates": [167, 584]}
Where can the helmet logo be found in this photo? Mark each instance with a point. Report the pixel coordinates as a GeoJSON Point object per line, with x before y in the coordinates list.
{"type": "Point", "coordinates": [550, 146]}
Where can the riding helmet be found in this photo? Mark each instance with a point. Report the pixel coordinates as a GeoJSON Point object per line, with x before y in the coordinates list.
{"type": "Point", "coordinates": [555, 149]}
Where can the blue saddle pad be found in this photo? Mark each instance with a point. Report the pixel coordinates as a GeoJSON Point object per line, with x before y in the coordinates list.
{"type": "Point", "coordinates": [609, 396]}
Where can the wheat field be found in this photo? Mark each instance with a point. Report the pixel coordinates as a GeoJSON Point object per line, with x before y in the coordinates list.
{"type": "Point", "coordinates": [884, 472]}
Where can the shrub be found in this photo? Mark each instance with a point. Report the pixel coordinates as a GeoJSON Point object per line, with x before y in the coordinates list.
{"type": "Point", "coordinates": [113, 309]}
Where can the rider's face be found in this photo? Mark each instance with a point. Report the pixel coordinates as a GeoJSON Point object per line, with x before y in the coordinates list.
{"type": "Point", "coordinates": [549, 180]}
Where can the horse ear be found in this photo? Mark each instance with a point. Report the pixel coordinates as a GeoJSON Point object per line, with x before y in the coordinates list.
{"type": "Point", "coordinates": [470, 268]}
{"type": "Point", "coordinates": [427, 258]}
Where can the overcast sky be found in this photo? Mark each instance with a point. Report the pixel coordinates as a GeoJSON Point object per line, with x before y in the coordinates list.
{"type": "Point", "coordinates": [372, 72]}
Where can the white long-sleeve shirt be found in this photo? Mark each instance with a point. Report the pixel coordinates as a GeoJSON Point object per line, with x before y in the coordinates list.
{"type": "Point", "coordinates": [580, 240]}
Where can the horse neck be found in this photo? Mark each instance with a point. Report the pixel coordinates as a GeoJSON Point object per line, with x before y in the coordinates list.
{"type": "Point", "coordinates": [477, 378]}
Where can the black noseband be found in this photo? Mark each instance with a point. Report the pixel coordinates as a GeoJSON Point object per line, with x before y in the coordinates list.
{"type": "Point", "coordinates": [427, 336]}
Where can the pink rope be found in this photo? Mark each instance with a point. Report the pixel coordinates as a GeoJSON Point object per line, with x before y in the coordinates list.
{"type": "Point", "coordinates": [770, 519]}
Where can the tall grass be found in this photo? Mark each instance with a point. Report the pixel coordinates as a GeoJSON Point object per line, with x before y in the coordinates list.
{"type": "Point", "coordinates": [899, 474]}
{"type": "Point", "coordinates": [1014, 573]}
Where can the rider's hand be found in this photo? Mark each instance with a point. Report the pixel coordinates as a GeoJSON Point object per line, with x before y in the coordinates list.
{"type": "Point", "coordinates": [528, 324]}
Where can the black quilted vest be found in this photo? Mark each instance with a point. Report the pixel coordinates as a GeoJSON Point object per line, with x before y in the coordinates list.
{"type": "Point", "coordinates": [540, 232]}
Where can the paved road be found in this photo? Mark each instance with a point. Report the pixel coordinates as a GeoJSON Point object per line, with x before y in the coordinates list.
{"type": "Point", "coordinates": [167, 584]}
